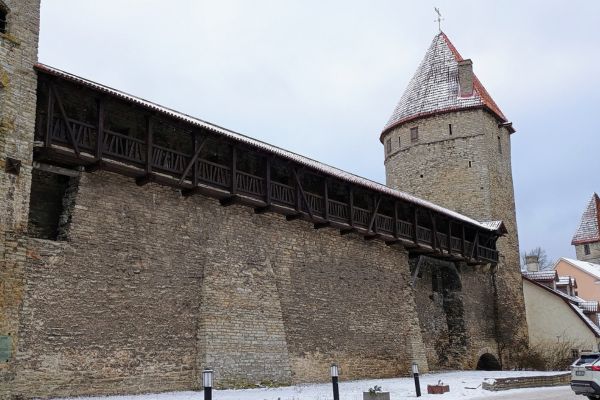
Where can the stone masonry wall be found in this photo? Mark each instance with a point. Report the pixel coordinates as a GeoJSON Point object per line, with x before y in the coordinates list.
{"type": "Point", "coordinates": [593, 257]}
{"type": "Point", "coordinates": [18, 53]}
{"type": "Point", "coordinates": [456, 340]}
{"type": "Point", "coordinates": [151, 287]}
{"type": "Point", "coordinates": [470, 172]}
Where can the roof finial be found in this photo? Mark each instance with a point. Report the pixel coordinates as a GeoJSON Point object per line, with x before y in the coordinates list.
{"type": "Point", "coordinates": [439, 18]}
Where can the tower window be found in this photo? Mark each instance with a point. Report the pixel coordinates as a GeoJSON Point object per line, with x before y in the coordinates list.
{"type": "Point", "coordinates": [586, 249]}
{"type": "Point", "coordinates": [399, 142]}
{"type": "Point", "coordinates": [499, 145]}
{"type": "Point", "coordinates": [450, 129]}
{"type": "Point", "coordinates": [388, 146]}
{"type": "Point", "coordinates": [3, 19]}
{"type": "Point", "coordinates": [470, 164]}
{"type": "Point", "coordinates": [414, 134]}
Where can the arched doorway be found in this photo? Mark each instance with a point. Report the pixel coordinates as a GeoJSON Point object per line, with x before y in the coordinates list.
{"type": "Point", "coordinates": [488, 362]}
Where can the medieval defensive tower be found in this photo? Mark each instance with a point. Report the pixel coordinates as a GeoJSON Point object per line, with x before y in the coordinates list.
{"type": "Point", "coordinates": [19, 27]}
{"type": "Point", "coordinates": [448, 142]}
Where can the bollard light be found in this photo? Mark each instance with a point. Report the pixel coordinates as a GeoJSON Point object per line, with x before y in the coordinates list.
{"type": "Point", "coordinates": [334, 381]}
{"type": "Point", "coordinates": [207, 383]}
{"type": "Point", "coordinates": [415, 368]}
{"type": "Point", "coordinates": [334, 371]}
{"type": "Point", "coordinates": [415, 371]}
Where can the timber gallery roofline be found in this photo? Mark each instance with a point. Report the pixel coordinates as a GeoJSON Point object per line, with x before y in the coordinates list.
{"type": "Point", "coordinates": [308, 162]}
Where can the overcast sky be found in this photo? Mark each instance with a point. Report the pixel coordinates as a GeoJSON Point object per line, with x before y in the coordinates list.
{"type": "Point", "coordinates": [321, 78]}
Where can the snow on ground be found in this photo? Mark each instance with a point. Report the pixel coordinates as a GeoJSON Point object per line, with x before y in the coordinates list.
{"type": "Point", "coordinates": [463, 385]}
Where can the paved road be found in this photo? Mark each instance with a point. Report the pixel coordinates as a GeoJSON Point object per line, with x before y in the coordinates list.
{"type": "Point", "coordinates": [562, 393]}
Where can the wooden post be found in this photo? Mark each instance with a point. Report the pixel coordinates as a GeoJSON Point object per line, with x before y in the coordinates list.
{"type": "Point", "coordinates": [149, 145]}
{"type": "Point", "coordinates": [325, 200]}
{"type": "Point", "coordinates": [195, 163]}
{"type": "Point", "coordinates": [415, 225]}
{"type": "Point", "coordinates": [433, 232]}
{"type": "Point", "coordinates": [50, 118]}
{"type": "Point", "coordinates": [268, 182]}
{"type": "Point", "coordinates": [233, 169]}
{"type": "Point", "coordinates": [449, 236]}
{"type": "Point", "coordinates": [351, 206]}
{"type": "Point", "coordinates": [462, 240]}
{"type": "Point", "coordinates": [395, 219]}
{"type": "Point", "coordinates": [100, 129]}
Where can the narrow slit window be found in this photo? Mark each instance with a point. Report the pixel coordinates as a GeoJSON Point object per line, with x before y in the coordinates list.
{"type": "Point", "coordinates": [3, 20]}
{"type": "Point", "coordinates": [499, 145]}
{"type": "Point", "coordinates": [399, 142]}
{"type": "Point", "coordinates": [414, 134]}
{"type": "Point", "coordinates": [450, 129]}
{"type": "Point", "coordinates": [470, 164]}
{"type": "Point", "coordinates": [388, 146]}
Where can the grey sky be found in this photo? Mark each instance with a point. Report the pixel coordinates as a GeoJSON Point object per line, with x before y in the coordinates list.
{"type": "Point", "coordinates": [322, 77]}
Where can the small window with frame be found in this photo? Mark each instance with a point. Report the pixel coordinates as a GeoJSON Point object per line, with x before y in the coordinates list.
{"type": "Point", "coordinates": [388, 146]}
{"type": "Point", "coordinates": [414, 134]}
{"type": "Point", "coordinates": [586, 249]}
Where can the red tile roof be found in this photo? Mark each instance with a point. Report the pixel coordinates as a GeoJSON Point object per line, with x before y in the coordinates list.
{"type": "Point", "coordinates": [434, 88]}
{"type": "Point", "coordinates": [589, 227]}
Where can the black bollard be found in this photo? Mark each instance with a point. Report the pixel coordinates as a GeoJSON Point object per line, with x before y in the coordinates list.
{"type": "Point", "coordinates": [334, 381]}
{"type": "Point", "coordinates": [415, 371]}
{"type": "Point", "coordinates": [207, 383]}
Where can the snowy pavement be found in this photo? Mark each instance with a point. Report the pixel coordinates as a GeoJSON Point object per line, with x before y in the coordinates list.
{"type": "Point", "coordinates": [463, 385]}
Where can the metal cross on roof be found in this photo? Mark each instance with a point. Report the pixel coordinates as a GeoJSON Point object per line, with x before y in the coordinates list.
{"type": "Point", "coordinates": [439, 19]}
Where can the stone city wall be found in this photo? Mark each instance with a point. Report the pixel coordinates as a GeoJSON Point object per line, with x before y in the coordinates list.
{"type": "Point", "coordinates": [151, 287]}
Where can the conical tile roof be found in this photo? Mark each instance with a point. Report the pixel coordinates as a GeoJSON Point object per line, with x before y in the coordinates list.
{"type": "Point", "coordinates": [589, 227]}
{"type": "Point", "coordinates": [434, 87]}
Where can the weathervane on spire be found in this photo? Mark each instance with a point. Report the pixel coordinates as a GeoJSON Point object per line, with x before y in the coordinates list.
{"type": "Point", "coordinates": [439, 19]}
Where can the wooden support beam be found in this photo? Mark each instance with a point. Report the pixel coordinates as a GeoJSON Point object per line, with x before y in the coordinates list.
{"type": "Point", "coordinates": [262, 210]}
{"type": "Point", "coordinates": [66, 121]}
{"type": "Point", "coordinates": [144, 180]}
{"type": "Point", "coordinates": [198, 146]}
{"type": "Point", "coordinates": [396, 220]}
{"type": "Point", "coordinates": [462, 241]}
{"type": "Point", "coordinates": [326, 199]}
{"type": "Point", "coordinates": [268, 181]}
{"type": "Point", "coordinates": [475, 249]}
{"type": "Point", "coordinates": [348, 231]}
{"type": "Point", "coordinates": [320, 225]}
{"type": "Point", "coordinates": [303, 195]}
{"type": "Point", "coordinates": [434, 240]}
{"type": "Point", "coordinates": [229, 201]}
{"type": "Point", "coordinates": [374, 214]}
{"type": "Point", "coordinates": [415, 225]}
{"type": "Point", "coordinates": [189, 192]}
{"type": "Point", "coordinates": [49, 117]}
{"type": "Point", "coordinates": [233, 187]}
{"type": "Point", "coordinates": [95, 166]}
{"type": "Point", "coordinates": [56, 170]}
{"type": "Point", "coordinates": [351, 206]}
{"type": "Point", "coordinates": [450, 236]}
{"type": "Point", "coordinates": [372, 236]}
{"type": "Point", "coordinates": [293, 217]}
{"type": "Point", "coordinates": [149, 145]}
{"type": "Point", "coordinates": [391, 242]}
{"type": "Point", "coordinates": [100, 129]}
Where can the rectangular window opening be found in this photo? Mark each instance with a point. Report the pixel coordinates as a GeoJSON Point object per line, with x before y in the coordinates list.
{"type": "Point", "coordinates": [3, 20]}
{"type": "Point", "coordinates": [450, 129]}
{"type": "Point", "coordinates": [586, 249]}
{"type": "Point", "coordinates": [388, 146]}
{"type": "Point", "coordinates": [51, 202]}
{"type": "Point", "coordinates": [414, 134]}
{"type": "Point", "coordinates": [470, 164]}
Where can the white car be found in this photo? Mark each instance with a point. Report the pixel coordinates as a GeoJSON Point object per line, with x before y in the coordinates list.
{"type": "Point", "coordinates": [585, 375]}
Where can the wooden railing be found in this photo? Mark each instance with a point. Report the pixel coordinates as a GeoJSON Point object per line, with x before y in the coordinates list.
{"type": "Point", "coordinates": [121, 147]}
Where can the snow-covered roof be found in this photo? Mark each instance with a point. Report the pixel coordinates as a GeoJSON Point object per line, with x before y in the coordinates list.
{"type": "Point", "coordinates": [541, 275]}
{"type": "Point", "coordinates": [308, 162]}
{"type": "Point", "coordinates": [589, 227]}
{"type": "Point", "coordinates": [588, 267]}
{"type": "Point", "coordinates": [566, 281]}
{"type": "Point", "coordinates": [434, 87]}
{"type": "Point", "coordinates": [585, 319]}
